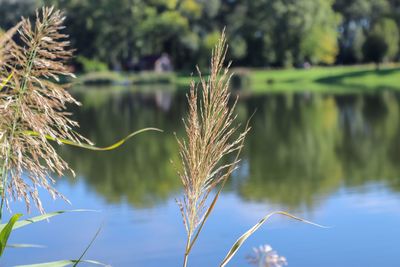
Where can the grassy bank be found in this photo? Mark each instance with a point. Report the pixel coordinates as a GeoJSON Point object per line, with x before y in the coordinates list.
{"type": "Point", "coordinates": [364, 77]}
{"type": "Point", "coordinates": [126, 79]}
{"type": "Point", "coordinates": [329, 79]}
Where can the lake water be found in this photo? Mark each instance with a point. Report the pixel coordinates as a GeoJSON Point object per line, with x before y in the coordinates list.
{"type": "Point", "coordinates": [332, 159]}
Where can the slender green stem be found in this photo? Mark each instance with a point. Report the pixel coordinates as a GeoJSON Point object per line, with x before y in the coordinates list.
{"type": "Point", "coordinates": [185, 259]}
{"type": "Point", "coordinates": [87, 248]}
{"type": "Point", "coordinates": [187, 250]}
{"type": "Point", "coordinates": [2, 189]}
{"type": "Point", "coordinates": [4, 175]}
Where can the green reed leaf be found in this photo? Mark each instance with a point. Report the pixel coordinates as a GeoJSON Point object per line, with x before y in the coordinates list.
{"type": "Point", "coordinates": [4, 83]}
{"type": "Point", "coordinates": [88, 246]}
{"type": "Point", "coordinates": [6, 231]}
{"type": "Point", "coordinates": [251, 231]}
{"type": "Point", "coordinates": [39, 218]}
{"type": "Point", "coordinates": [91, 147]}
{"type": "Point", "coordinates": [62, 263]}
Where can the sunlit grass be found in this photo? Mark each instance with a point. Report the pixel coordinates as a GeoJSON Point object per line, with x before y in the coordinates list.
{"type": "Point", "coordinates": [330, 79]}
{"type": "Point", "coordinates": [336, 79]}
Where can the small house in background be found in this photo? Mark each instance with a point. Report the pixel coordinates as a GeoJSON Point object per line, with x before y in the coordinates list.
{"type": "Point", "coordinates": [163, 64]}
{"type": "Point", "coordinates": [157, 63]}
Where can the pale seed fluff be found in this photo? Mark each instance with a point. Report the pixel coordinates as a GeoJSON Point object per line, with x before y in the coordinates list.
{"type": "Point", "coordinates": [212, 138]}
{"type": "Point", "coordinates": [33, 101]}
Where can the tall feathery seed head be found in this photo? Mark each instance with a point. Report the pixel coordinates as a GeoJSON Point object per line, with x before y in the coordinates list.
{"type": "Point", "coordinates": [33, 101]}
{"type": "Point", "coordinates": [211, 136]}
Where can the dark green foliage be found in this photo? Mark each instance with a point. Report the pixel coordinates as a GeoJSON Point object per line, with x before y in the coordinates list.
{"type": "Point", "coordinates": [11, 11]}
{"type": "Point", "coordinates": [357, 44]}
{"type": "Point", "coordinates": [91, 65]}
{"type": "Point", "coordinates": [383, 42]}
{"type": "Point", "coordinates": [375, 48]}
{"type": "Point", "coordinates": [260, 32]}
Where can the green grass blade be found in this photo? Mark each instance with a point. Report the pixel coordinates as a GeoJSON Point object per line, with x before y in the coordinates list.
{"type": "Point", "coordinates": [39, 218]}
{"type": "Point", "coordinates": [6, 231]}
{"type": "Point", "coordinates": [251, 231]}
{"type": "Point", "coordinates": [87, 248]}
{"type": "Point", "coordinates": [61, 263]}
{"type": "Point", "coordinates": [4, 83]}
{"type": "Point", "coordinates": [91, 147]}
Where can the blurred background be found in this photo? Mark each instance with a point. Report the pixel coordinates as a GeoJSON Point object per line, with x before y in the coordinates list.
{"type": "Point", "coordinates": [127, 34]}
{"type": "Point", "coordinates": [324, 78]}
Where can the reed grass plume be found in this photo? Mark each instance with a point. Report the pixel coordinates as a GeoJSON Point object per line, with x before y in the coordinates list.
{"type": "Point", "coordinates": [211, 136]}
{"type": "Point", "coordinates": [34, 101]}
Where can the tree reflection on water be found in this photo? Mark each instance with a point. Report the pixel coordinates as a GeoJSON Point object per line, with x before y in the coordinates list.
{"type": "Point", "coordinates": [301, 146]}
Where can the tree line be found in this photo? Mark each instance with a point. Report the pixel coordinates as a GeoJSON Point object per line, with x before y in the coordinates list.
{"type": "Point", "coordinates": [262, 33]}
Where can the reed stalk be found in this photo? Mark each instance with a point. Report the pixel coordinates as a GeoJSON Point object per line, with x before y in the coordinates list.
{"type": "Point", "coordinates": [33, 109]}
{"type": "Point", "coordinates": [33, 100]}
{"type": "Point", "coordinates": [211, 138]}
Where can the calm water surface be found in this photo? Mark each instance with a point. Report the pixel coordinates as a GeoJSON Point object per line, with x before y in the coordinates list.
{"type": "Point", "coordinates": [331, 159]}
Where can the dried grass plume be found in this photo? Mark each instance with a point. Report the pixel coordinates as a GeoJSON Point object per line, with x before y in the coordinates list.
{"type": "Point", "coordinates": [34, 102]}
{"type": "Point", "coordinates": [211, 136]}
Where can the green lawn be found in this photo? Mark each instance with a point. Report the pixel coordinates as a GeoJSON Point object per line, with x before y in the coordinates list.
{"type": "Point", "coordinates": [340, 79]}
{"type": "Point", "coordinates": [322, 79]}
{"type": "Point", "coordinates": [332, 79]}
